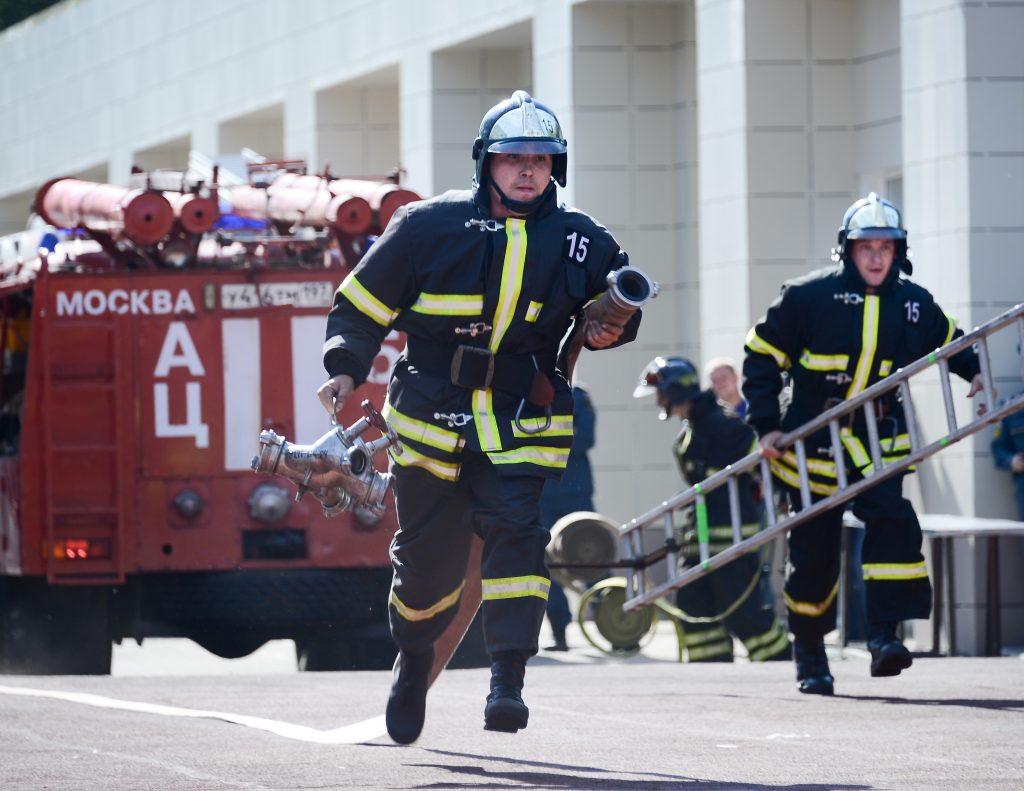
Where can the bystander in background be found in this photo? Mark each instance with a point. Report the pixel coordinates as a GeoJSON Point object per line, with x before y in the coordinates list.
{"type": "Point", "coordinates": [724, 377]}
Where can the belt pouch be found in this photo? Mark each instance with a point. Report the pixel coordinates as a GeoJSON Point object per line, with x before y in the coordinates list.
{"type": "Point", "coordinates": [472, 367]}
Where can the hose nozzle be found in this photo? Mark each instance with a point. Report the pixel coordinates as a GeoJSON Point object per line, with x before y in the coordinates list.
{"type": "Point", "coordinates": [338, 468]}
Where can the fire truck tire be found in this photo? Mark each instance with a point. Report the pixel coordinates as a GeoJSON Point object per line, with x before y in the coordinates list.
{"type": "Point", "coordinates": [47, 630]}
{"type": "Point", "coordinates": [228, 645]}
{"type": "Point", "coordinates": [367, 650]}
{"type": "Point", "coordinates": [330, 652]}
{"type": "Point", "coordinates": [269, 602]}
{"type": "Point", "coordinates": [472, 651]}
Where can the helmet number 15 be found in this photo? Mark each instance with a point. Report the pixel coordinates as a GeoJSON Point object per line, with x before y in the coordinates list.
{"type": "Point", "coordinates": [577, 246]}
{"type": "Point", "coordinates": [913, 311]}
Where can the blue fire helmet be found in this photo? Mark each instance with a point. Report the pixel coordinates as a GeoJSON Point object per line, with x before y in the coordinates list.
{"type": "Point", "coordinates": [676, 377]}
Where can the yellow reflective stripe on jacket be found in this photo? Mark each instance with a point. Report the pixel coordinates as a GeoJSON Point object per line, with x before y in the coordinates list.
{"type": "Point", "coordinates": [561, 426]}
{"type": "Point", "coordinates": [858, 453]}
{"type": "Point", "coordinates": [901, 442]}
{"type": "Point", "coordinates": [409, 614]}
{"type": "Point", "coordinates": [951, 330]}
{"type": "Point", "coordinates": [892, 449]}
{"type": "Point", "coordinates": [885, 368]}
{"type": "Point", "coordinates": [515, 587]}
{"type": "Point", "coordinates": [533, 310]}
{"type": "Point", "coordinates": [824, 362]}
{"type": "Point", "coordinates": [421, 431]}
{"type": "Point", "coordinates": [810, 608]}
{"type": "Point", "coordinates": [868, 346]}
{"type": "Point", "coordinates": [826, 469]}
{"type": "Point", "coordinates": [758, 344]}
{"type": "Point", "coordinates": [511, 280]}
{"type": "Point", "coordinates": [792, 477]}
{"type": "Point", "coordinates": [446, 470]}
{"type": "Point", "coordinates": [895, 571]}
{"type": "Point", "coordinates": [486, 423]}
{"type": "Point", "coordinates": [365, 302]}
{"type": "Point", "coordinates": [532, 454]}
{"type": "Point", "coordinates": [449, 304]}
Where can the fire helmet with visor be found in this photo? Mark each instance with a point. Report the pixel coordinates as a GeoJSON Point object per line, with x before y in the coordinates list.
{"type": "Point", "coordinates": [873, 217]}
{"type": "Point", "coordinates": [520, 125]}
{"type": "Point", "coordinates": [674, 377]}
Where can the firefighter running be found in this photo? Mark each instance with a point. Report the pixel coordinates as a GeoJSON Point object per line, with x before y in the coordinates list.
{"type": "Point", "coordinates": [485, 283]}
{"type": "Point", "coordinates": [835, 332]}
{"type": "Point", "coordinates": [735, 599]}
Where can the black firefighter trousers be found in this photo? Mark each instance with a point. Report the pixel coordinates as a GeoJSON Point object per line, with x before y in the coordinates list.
{"type": "Point", "coordinates": [429, 553]}
{"type": "Point", "coordinates": [895, 578]}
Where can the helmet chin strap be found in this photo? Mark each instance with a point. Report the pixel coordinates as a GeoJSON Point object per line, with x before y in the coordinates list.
{"type": "Point", "coordinates": [523, 207]}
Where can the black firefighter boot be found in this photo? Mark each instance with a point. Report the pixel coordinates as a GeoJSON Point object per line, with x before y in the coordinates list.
{"type": "Point", "coordinates": [407, 703]}
{"type": "Point", "coordinates": [505, 710]}
{"type": "Point", "coordinates": [812, 673]}
{"type": "Point", "coordinates": [888, 654]}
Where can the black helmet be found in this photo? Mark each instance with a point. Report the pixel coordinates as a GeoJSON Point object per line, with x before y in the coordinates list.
{"type": "Point", "coordinates": [873, 218]}
{"type": "Point", "coordinates": [520, 125]}
{"type": "Point", "coordinates": [675, 377]}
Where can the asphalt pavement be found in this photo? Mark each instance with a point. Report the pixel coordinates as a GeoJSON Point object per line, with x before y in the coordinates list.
{"type": "Point", "coordinates": [596, 723]}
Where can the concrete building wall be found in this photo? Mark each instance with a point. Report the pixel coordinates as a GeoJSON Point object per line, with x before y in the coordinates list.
{"type": "Point", "coordinates": [719, 140]}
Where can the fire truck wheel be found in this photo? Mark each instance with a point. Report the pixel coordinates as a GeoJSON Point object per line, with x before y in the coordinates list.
{"type": "Point", "coordinates": [472, 651]}
{"type": "Point", "coordinates": [351, 652]}
{"type": "Point", "coordinates": [228, 645]}
{"type": "Point", "coordinates": [54, 631]}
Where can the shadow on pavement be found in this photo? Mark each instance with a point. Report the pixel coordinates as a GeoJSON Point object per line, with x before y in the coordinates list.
{"type": "Point", "coordinates": [587, 778]}
{"type": "Point", "coordinates": [1016, 704]}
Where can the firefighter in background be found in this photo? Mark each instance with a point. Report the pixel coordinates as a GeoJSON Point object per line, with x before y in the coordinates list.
{"type": "Point", "coordinates": [485, 282]}
{"type": "Point", "coordinates": [836, 331]}
{"type": "Point", "coordinates": [734, 600]}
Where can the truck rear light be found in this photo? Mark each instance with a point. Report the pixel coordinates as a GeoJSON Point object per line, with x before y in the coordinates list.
{"type": "Point", "coordinates": [82, 549]}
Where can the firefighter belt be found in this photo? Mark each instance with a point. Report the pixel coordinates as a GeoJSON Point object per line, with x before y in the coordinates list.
{"type": "Point", "coordinates": [478, 368]}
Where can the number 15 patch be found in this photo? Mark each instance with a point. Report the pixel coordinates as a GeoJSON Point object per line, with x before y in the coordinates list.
{"type": "Point", "coordinates": [576, 246]}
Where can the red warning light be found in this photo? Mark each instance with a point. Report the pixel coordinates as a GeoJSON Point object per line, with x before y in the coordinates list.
{"type": "Point", "coordinates": [81, 549]}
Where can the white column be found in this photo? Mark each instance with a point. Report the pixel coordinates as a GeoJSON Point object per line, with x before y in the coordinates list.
{"type": "Point", "coordinates": [723, 182]}
{"type": "Point", "coordinates": [553, 73]}
{"type": "Point", "coordinates": [416, 137]}
{"type": "Point", "coordinates": [300, 125]}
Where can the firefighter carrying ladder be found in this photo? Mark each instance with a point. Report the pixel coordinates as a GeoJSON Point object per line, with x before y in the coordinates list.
{"type": "Point", "coordinates": [640, 592]}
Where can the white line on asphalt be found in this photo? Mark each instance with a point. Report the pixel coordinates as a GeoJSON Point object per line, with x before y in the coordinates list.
{"type": "Point", "coordinates": [356, 733]}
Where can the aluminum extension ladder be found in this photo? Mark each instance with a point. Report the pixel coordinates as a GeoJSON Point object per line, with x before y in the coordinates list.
{"type": "Point", "coordinates": [640, 591]}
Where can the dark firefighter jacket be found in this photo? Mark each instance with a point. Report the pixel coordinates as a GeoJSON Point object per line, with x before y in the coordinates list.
{"type": "Point", "coordinates": [483, 302]}
{"type": "Point", "coordinates": [835, 340]}
{"type": "Point", "coordinates": [710, 441]}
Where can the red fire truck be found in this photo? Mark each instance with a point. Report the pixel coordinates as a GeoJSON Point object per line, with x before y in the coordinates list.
{"type": "Point", "coordinates": [143, 356]}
